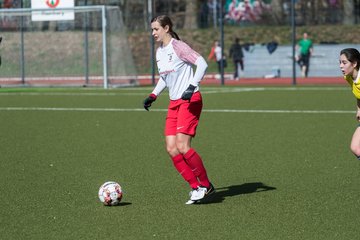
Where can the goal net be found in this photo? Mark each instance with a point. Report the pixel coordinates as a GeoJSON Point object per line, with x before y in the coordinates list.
{"type": "Point", "coordinates": [90, 50]}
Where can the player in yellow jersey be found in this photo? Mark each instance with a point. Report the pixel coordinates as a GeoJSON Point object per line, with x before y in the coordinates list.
{"type": "Point", "coordinates": [349, 66]}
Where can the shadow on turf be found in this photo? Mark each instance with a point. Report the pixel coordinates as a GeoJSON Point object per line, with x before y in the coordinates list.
{"type": "Point", "coordinates": [120, 204]}
{"type": "Point", "coordinates": [234, 190]}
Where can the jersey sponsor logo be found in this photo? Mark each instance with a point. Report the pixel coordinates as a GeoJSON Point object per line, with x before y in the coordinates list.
{"type": "Point", "coordinates": [170, 57]}
{"type": "Point", "coordinates": [166, 72]}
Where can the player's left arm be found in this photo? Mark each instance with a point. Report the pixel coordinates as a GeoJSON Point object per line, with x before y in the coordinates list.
{"type": "Point", "coordinates": [201, 67]}
{"type": "Point", "coordinates": [358, 110]}
{"type": "Point", "coordinates": [200, 71]}
{"type": "Point", "coordinates": [189, 55]}
{"type": "Point", "coordinates": [311, 49]}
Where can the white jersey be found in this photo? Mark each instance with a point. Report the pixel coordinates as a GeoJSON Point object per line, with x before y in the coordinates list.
{"type": "Point", "coordinates": [174, 63]}
{"type": "Point", "coordinates": [218, 53]}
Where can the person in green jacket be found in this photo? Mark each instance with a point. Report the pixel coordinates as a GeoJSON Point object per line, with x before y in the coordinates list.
{"type": "Point", "coordinates": [305, 48]}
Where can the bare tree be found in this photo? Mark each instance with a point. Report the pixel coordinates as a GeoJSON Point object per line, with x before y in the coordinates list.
{"type": "Point", "coordinates": [190, 15]}
{"type": "Point", "coordinates": [349, 17]}
{"type": "Point", "coordinates": [278, 10]}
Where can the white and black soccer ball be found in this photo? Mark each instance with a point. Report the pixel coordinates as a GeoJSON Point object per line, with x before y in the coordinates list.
{"type": "Point", "coordinates": [110, 193]}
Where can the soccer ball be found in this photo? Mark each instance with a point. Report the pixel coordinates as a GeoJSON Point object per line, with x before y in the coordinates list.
{"type": "Point", "coordinates": [110, 193]}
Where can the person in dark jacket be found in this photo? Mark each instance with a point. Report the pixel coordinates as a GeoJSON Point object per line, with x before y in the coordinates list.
{"type": "Point", "coordinates": [236, 53]}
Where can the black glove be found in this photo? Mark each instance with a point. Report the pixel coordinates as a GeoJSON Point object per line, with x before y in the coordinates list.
{"type": "Point", "coordinates": [148, 101]}
{"type": "Point", "coordinates": [188, 93]}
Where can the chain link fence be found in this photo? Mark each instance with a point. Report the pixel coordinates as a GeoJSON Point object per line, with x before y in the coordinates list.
{"type": "Point", "coordinates": [206, 13]}
{"type": "Point", "coordinates": [254, 21]}
{"type": "Point", "coordinates": [90, 49]}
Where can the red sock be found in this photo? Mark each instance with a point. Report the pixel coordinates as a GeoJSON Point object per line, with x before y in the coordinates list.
{"type": "Point", "coordinates": [196, 164]}
{"type": "Point", "coordinates": [185, 171]}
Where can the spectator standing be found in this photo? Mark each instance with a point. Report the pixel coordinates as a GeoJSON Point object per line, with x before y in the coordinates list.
{"type": "Point", "coordinates": [215, 54]}
{"type": "Point", "coordinates": [237, 55]}
{"type": "Point", "coordinates": [305, 48]}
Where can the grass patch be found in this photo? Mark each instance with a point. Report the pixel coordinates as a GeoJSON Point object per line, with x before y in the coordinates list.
{"type": "Point", "coordinates": [279, 174]}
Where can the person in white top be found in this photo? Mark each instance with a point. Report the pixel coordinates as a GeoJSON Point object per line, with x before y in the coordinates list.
{"type": "Point", "coordinates": [175, 60]}
{"type": "Point", "coordinates": [216, 54]}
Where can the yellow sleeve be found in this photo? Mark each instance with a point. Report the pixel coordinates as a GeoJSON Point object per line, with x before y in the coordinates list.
{"type": "Point", "coordinates": [355, 86]}
{"type": "Point", "coordinates": [356, 90]}
{"type": "Point", "coordinates": [349, 80]}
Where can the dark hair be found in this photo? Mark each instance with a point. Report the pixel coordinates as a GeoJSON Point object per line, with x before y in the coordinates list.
{"type": "Point", "coordinates": [164, 20]}
{"type": "Point", "coordinates": [352, 55]}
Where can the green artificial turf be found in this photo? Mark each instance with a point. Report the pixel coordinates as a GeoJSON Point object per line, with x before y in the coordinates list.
{"type": "Point", "coordinates": [278, 156]}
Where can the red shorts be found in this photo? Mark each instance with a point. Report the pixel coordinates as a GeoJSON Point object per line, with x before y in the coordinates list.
{"type": "Point", "coordinates": [183, 116]}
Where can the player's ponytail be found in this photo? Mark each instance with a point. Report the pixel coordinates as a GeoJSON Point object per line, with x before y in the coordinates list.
{"type": "Point", "coordinates": [164, 21]}
{"type": "Point", "coordinates": [174, 35]}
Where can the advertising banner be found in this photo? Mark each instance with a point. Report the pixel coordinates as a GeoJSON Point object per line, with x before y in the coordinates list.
{"type": "Point", "coordinates": [51, 14]}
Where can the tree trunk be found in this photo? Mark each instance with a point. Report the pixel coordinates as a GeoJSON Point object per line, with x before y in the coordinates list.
{"type": "Point", "coordinates": [190, 15]}
{"type": "Point", "coordinates": [277, 11]}
{"type": "Point", "coordinates": [348, 12]}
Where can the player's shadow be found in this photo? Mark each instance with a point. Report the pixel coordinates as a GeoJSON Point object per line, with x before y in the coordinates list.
{"type": "Point", "coordinates": [234, 190]}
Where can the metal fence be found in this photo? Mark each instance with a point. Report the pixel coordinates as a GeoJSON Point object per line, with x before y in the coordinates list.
{"type": "Point", "coordinates": [195, 20]}
{"type": "Point", "coordinates": [91, 49]}
{"type": "Point", "coordinates": [206, 13]}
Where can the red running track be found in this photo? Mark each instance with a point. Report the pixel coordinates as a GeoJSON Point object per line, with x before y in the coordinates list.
{"type": "Point", "coordinates": [145, 80]}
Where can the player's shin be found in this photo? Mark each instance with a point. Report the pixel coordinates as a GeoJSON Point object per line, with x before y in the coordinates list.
{"type": "Point", "coordinates": [195, 162]}
{"type": "Point", "coordinates": [185, 171]}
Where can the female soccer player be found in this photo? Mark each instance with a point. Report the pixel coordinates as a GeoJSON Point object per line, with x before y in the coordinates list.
{"type": "Point", "coordinates": [174, 61]}
{"type": "Point", "coordinates": [349, 66]}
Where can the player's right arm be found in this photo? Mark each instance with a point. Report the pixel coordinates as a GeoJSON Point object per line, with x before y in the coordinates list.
{"type": "Point", "coordinates": [160, 86]}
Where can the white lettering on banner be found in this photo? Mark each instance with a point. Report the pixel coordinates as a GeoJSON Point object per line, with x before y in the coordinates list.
{"type": "Point", "coordinates": [53, 15]}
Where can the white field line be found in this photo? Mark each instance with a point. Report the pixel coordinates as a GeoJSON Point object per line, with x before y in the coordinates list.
{"type": "Point", "coordinates": [204, 91]}
{"type": "Point", "coordinates": [70, 94]}
{"type": "Point", "coordinates": [145, 91]}
{"type": "Point", "coordinates": [245, 89]}
{"type": "Point", "coordinates": [164, 110]}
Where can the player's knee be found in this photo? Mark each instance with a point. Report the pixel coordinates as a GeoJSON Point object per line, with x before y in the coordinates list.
{"type": "Point", "coordinates": [172, 150]}
{"type": "Point", "coordinates": [182, 147]}
{"type": "Point", "coordinates": [355, 149]}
